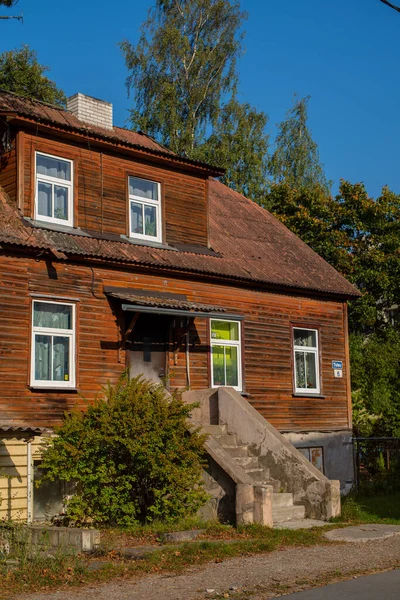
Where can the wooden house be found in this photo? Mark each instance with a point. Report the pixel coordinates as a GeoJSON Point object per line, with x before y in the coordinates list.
{"type": "Point", "coordinates": [115, 253]}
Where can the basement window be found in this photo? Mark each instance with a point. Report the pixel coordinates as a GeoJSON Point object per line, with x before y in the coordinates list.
{"type": "Point", "coordinates": [144, 209]}
{"type": "Point", "coordinates": [54, 189]}
{"type": "Point", "coordinates": [306, 360]}
{"type": "Point", "coordinates": [53, 345]}
{"type": "Point", "coordinates": [226, 354]}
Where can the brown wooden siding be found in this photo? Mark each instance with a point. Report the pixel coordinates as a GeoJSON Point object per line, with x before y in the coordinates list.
{"type": "Point", "coordinates": [267, 343]}
{"type": "Point", "coordinates": [8, 167]}
{"type": "Point", "coordinates": [101, 190]}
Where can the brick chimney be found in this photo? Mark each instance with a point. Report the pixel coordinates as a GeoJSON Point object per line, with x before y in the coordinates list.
{"type": "Point", "coordinates": [91, 110]}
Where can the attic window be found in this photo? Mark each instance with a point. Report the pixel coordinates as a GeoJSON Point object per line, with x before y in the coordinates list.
{"type": "Point", "coordinates": [54, 192]}
{"type": "Point", "coordinates": [144, 210]}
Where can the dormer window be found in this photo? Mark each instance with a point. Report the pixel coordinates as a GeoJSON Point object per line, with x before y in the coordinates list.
{"type": "Point", "coordinates": [54, 191]}
{"type": "Point", "coordinates": [144, 210]}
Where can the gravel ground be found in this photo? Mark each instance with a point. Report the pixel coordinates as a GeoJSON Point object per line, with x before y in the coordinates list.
{"type": "Point", "coordinates": [262, 576]}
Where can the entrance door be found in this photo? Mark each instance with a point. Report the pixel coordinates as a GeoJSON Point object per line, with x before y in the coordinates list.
{"type": "Point", "coordinates": [147, 347]}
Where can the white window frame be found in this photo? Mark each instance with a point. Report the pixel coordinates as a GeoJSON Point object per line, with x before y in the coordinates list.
{"type": "Point", "coordinates": [310, 350]}
{"type": "Point", "coordinates": [144, 202]}
{"type": "Point", "coordinates": [55, 181]}
{"type": "Point", "coordinates": [228, 343]}
{"type": "Point", "coordinates": [70, 333]}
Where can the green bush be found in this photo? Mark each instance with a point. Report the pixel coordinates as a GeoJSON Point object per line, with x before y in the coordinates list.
{"type": "Point", "coordinates": [130, 455]}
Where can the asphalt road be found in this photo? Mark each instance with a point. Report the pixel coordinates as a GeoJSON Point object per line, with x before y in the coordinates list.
{"type": "Point", "coordinates": [383, 586]}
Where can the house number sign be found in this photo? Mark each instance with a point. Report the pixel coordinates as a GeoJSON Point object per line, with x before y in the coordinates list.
{"type": "Point", "coordinates": [337, 366]}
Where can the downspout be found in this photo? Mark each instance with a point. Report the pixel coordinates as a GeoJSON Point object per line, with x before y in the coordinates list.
{"type": "Point", "coordinates": [187, 354]}
{"type": "Point", "coordinates": [29, 479]}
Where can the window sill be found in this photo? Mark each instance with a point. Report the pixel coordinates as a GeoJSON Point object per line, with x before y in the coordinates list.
{"type": "Point", "coordinates": [47, 388]}
{"type": "Point", "coordinates": [308, 395]}
{"type": "Point", "coordinates": [149, 243]}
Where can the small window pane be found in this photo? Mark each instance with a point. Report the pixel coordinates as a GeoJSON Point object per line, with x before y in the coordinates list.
{"type": "Point", "coordinates": [300, 370]}
{"type": "Point", "coordinates": [60, 359]}
{"type": "Point", "coordinates": [60, 202]}
{"type": "Point", "coordinates": [136, 217]}
{"type": "Point", "coordinates": [150, 224]}
{"type": "Point", "coordinates": [53, 167]}
{"type": "Point", "coordinates": [305, 337]}
{"type": "Point", "coordinates": [42, 357]}
{"type": "Point", "coordinates": [311, 370]}
{"type": "Point", "coordinates": [54, 316]}
{"type": "Point", "coordinates": [225, 330]}
{"type": "Point", "coordinates": [231, 361]}
{"type": "Point", "coordinates": [143, 188]}
{"type": "Point", "coordinates": [218, 363]}
{"type": "Point", "coordinates": [44, 199]}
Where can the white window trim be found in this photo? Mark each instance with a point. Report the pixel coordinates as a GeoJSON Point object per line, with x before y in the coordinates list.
{"type": "Point", "coordinates": [55, 181]}
{"type": "Point", "coordinates": [237, 344]}
{"type": "Point", "coordinates": [150, 202]}
{"type": "Point", "coordinates": [311, 350]}
{"type": "Point", "coordinates": [70, 333]}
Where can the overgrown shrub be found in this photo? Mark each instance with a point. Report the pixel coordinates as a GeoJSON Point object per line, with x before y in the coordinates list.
{"type": "Point", "coordinates": [131, 456]}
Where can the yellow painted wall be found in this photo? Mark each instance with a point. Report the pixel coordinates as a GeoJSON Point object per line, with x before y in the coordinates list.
{"type": "Point", "coordinates": [13, 486]}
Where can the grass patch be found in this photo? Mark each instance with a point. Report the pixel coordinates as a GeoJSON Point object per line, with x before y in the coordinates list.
{"type": "Point", "coordinates": [371, 509]}
{"type": "Point", "coordinates": [38, 572]}
{"type": "Point", "coordinates": [222, 542]}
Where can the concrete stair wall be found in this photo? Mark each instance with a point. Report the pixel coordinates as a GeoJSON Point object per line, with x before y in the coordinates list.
{"type": "Point", "coordinates": [273, 481]}
{"type": "Point", "coordinates": [283, 508]}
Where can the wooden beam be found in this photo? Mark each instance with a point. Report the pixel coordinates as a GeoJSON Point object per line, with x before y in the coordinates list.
{"type": "Point", "coordinates": [131, 325]}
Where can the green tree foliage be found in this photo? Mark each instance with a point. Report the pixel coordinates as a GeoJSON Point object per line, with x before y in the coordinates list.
{"type": "Point", "coordinates": [375, 373]}
{"type": "Point", "coordinates": [131, 456]}
{"type": "Point", "coordinates": [20, 72]}
{"type": "Point", "coordinates": [238, 144]}
{"type": "Point", "coordinates": [356, 234]}
{"type": "Point", "coordinates": [182, 66]}
{"type": "Point", "coordinates": [182, 75]}
{"type": "Point", "coordinates": [295, 160]}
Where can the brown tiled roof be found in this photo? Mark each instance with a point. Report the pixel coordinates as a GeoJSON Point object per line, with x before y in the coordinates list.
{"type": "Point", "coordinates": [251, 245]}
{"type": "Point", "coordinates": [50, 114]}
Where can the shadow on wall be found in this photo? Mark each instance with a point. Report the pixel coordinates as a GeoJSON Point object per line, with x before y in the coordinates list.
{"type": "Point", "coordinates": [8, 472]}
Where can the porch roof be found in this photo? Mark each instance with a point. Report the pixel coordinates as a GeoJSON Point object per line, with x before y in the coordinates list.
{"type": "Point", "coordinates": [164, 303]}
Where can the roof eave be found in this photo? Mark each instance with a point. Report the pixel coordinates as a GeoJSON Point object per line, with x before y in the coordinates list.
{"type": "Point", "coordinates": [114, 142]}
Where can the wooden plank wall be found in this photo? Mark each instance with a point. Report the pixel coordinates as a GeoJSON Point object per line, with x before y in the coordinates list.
{"type": "Point", "coordinates": [8, 167]}
{"type": "Point", "coordinates": [102, 179]}
{"type": "Point", "coordinates": [267, 345]}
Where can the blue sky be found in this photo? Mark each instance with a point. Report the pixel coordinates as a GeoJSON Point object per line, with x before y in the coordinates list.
{"type": "Point", "coordinates": [345, 54]}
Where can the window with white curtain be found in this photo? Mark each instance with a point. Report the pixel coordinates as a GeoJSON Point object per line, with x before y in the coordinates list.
{"type": "Point", "coordinates": [145, 209]}
{"type": "Point", "coordinates": [53, 344]}
{"type": "Point", "coordinates": [306, 360]}
{"type": "Point", "coordinates": [54, 189]}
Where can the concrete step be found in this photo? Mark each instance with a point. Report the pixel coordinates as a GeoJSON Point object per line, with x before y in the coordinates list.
{"type": "Point", "coordinates": [276, 484]}
{"type": "Point", "coordinates": [247, 462]}
{"type": "Point", "coordinates": [226, 439]}
{"type": "Point", "coordinates": [215, 429]}
{"type": "Point", "coordinates": [282, 499]}
{"type": "Point", "coordinates": [287, 513]}
{"type": "Point", "coordinates": [258, 475]}
{"type": "Point", "coordinates": [237, 451]}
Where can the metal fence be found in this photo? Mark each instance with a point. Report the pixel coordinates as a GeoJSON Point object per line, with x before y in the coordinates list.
{"type": "Point", "coordinates": [377, 464]}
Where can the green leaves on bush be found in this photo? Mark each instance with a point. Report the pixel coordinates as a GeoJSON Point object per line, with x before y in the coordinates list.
{"type": "Point", "coordinates": [131, 456]}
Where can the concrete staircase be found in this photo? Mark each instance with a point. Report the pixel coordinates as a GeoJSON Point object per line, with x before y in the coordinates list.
{"type": "Point", "coordinates": [283, 508]}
